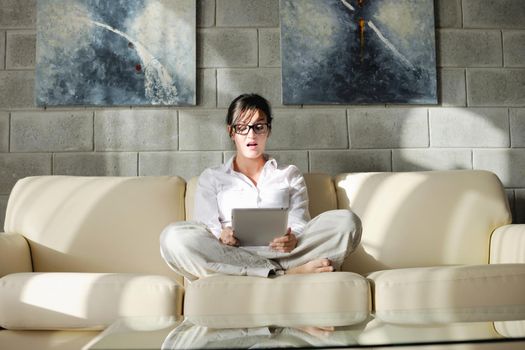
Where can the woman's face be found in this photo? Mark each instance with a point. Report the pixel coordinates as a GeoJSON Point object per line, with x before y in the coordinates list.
{"type": "Point", "coordinates": [251, 145]}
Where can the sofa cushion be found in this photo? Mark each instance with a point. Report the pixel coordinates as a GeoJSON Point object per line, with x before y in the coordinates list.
{"type": "Point", "coordinates": [331, 299]}
{"type": "Point", "coordinates": [95, 224]}
{"type": "Point", "coordinates": [14, 254]}
{"type": "Point", "coordinates": [418, 219]}
{"type": "Point", "coordinates": [507, 244]}
{"type": "Point", "coordinates": [55, 301]}
{"type": "Point", "coordinates": [511, 329]}
{"type": "Point", "coordinates": [189, 198]}
{"type": "Point", "coordinates": [321, 193]}
{"type": "Point", "coordinates": [450, 293]}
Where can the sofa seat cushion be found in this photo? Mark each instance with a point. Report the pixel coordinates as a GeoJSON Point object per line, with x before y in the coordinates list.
{"type": "Point", "coordinates": [330, 299]}
{"type": "Point", "coordinates": [450, 293]}
{"type": "Point", "coordinates": [57, 301]}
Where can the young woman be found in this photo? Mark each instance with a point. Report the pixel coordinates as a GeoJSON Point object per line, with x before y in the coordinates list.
{"type": "Point", "coordinates": [252, 178]}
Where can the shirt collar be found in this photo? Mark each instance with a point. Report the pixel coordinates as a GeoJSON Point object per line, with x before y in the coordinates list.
{"type": "Point", "coordinates": [270, 162]}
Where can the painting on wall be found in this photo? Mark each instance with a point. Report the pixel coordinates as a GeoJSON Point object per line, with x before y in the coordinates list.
{"type": "Point", "coordinates": [118, 52]}
{"type": "Point", "coordinates": [358, 51]}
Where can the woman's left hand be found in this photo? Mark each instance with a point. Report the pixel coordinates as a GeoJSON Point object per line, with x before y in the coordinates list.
{"type": "Point", "coordinates": [286, 243]}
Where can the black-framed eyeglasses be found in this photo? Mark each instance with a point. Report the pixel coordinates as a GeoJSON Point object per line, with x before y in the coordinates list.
{"type": "Point", "coordinates": [258, 128]}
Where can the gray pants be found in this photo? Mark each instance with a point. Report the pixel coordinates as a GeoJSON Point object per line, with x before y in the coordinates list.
{"type": "Point", "coordinates": [193, 251]}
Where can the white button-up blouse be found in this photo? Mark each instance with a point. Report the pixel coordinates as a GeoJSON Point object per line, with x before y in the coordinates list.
{"type": "Point", "coordinates": [220, 189]}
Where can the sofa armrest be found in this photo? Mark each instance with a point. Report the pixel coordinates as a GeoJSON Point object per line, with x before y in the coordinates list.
{"type": "Point", "coordinates": [507, 244]}
{"type": "Point", "coordinates": [15, 255]}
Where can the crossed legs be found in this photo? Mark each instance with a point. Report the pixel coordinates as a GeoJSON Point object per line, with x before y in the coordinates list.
{"type": "Point", "coordinates": [192, 251]}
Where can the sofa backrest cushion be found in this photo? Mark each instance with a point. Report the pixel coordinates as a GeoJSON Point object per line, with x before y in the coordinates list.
{"type": "Point", "coordinates": [423, 218]}
{"type": "Point", "coordinates": [321, 192]}
{"type": "Point", "coordinates": [95, 224]}
{"type": "Point", "coordinates": [191, 187]}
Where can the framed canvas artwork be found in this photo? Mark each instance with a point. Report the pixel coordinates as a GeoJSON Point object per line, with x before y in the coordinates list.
{"type": "Point", "coordinates": [358, 51]}
{"type": "Point", "coordinates": [117, 52]}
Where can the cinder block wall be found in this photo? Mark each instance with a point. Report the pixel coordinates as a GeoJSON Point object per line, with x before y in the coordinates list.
{"type": "Point", "coordinates": [478, 124]}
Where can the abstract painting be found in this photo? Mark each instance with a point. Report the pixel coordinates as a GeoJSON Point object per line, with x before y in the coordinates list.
{"type": "Point", "coordinates": [116, 52]}
{"type": "Point", "coordinates": [358, 51]}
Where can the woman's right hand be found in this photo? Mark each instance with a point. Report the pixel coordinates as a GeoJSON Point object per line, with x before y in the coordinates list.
{"type": "Point", "coordinates": [228, 238]}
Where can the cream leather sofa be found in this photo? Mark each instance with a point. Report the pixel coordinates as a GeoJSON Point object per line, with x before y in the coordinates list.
{"type": "Point", "coordinates": [80, 252]}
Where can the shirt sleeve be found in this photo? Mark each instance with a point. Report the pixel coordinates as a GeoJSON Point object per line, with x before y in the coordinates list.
{"type": "Point", "coordinates": [298, 214]}
{"type": "Point", "coordinates": [206, 209]}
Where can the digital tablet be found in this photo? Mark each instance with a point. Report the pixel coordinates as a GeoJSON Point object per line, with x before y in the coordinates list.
{"type": "Point", "coordinates": [259, 226]}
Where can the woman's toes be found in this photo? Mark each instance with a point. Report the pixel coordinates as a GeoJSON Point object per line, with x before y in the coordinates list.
{"type": "Point", "coordinates": [326, 269]}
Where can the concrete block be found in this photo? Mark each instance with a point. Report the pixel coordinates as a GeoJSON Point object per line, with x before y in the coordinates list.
{"type": "Point", "coordinates": [136, 130]}
{"type": "Point", "coordinates": [51, 131]}
{"type": "Point", "coordinates": [519, 206]}
{"type": "Point", "coordinates": [269, 47]}
{"type": "Point", "coordinates": [297, 158]}
{"type": "Point", "coordinates": [452, 87]}
{"type": "Point", "coordinates": [18, 13]}
{"type": "Point", "coordinates": [308, 129]}
{"type": "Point", "coordinates": [496, 87]}
{"type": "Point", "coordinates": [4, 131]}
{"type": "Point", "coordinates": [203, 131]}
{"type": "Point", "coordinates": [388, 127]}
{"type": "Point", "coordinates": [469, 127]}
{"type": "Point", "coordinates": [207, 88]}
{"type": "Point", "coordinates": [517, 127]}
{"type": "Point", "coordinates": [469, 48]}
{"type": "Point", "coordinates": [335, 162]}
{"type": "Point", "coordinates": [2, 50]}
{"type": "Point", "coordinates": [248, 13]}
{"type": "Point", "coordinates": [183, 164]}
{"type": "Point", "coordinates": [448, 13]}
{"type": "Point", "coordinates": [96, 164]}
{"type": "Point", "coordinates": [227, 48]}
{"type": "Point", "coordinates": [17, 89]}
{"type": "Point", "coordinates": [514, 48]}
{"type": "Point", "coordinates": [3, 207]}
{"type": "Point", "coordinates": [508, 164]}
{"type": "Point", "coordinates": [20, 50]}
{"type": "Point", "coordinates": [205, 13]}
{"type": "Point", "coordinates": [493, 14]}
{"type": "Point", "coordinates": [228, 154]}
{"type": "Point", "coordinates": [14, 166]}
{"type": "Point", "coordinates": [233, 82]}
{"type": "Point", "coordinates": [431, 159]}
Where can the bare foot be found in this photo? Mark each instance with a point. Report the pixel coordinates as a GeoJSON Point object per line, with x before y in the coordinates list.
{"type": "Point", "coordinates": [314, 266]}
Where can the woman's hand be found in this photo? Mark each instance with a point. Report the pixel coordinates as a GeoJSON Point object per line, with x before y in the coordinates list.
{"type": "Point", "coordinates": [286, 243]}
{"type": "Point", "coordinates": [228, 238]}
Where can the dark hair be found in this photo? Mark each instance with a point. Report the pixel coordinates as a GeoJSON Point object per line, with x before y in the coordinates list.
{"type": "Point", "coordinates": [248, 103]}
